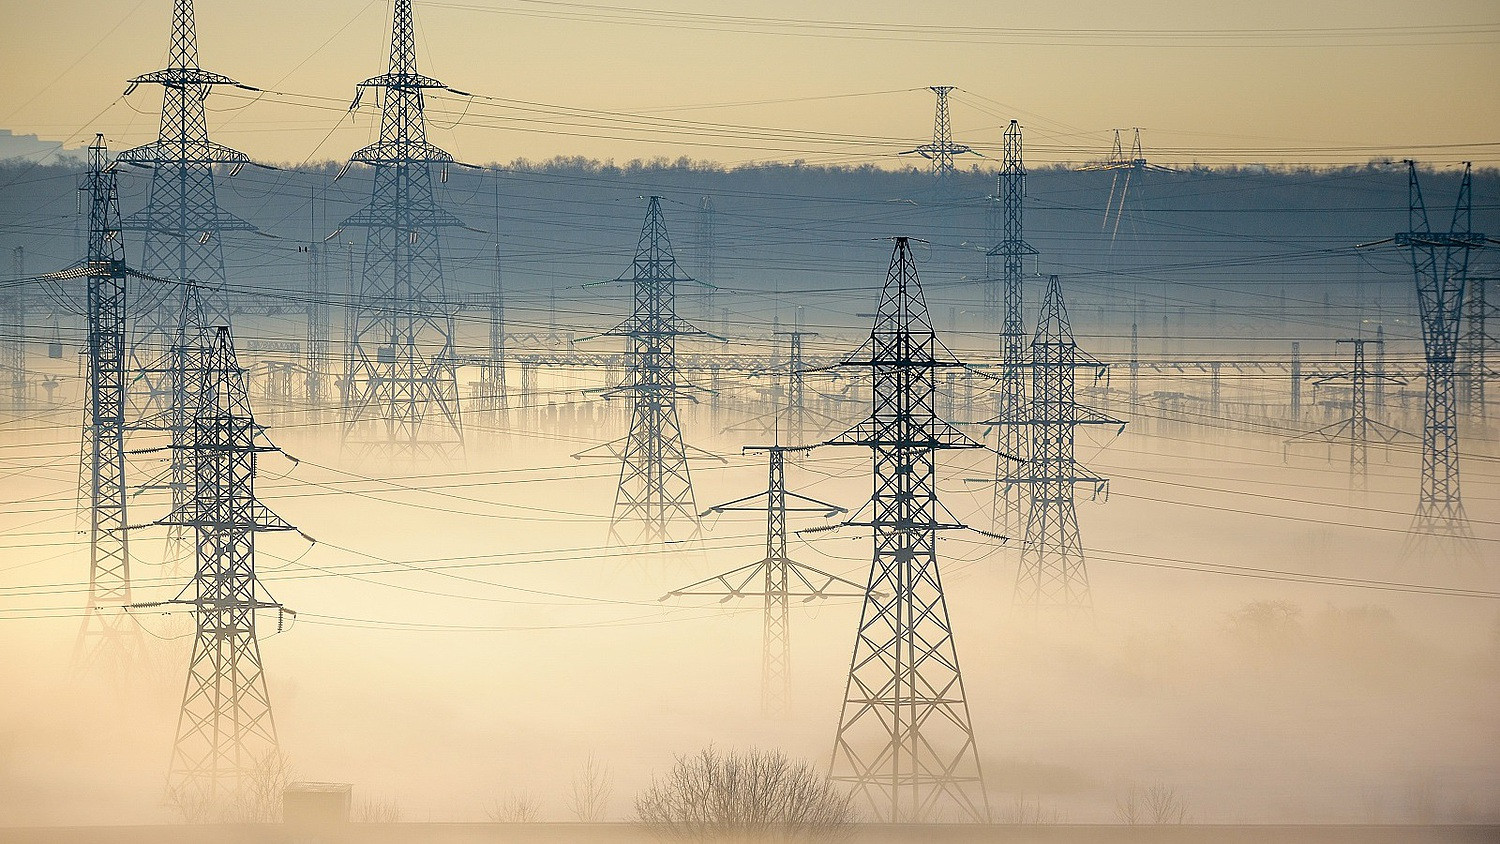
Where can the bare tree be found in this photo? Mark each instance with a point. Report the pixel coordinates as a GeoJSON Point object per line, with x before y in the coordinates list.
{"type": "Point", "coordinates": [261, 789]}
{"type": "Point", "coordinates": [1156, 804]}
{"type": "Point", "coordinates": [588, 799]}
{"type": "Point", "coordinates": [1028, 810]}
{"type": "Point", "coordinates": [378, 810]}
{"type": "Point", "coordinates": [755, 794]}
{"type": "Point", "coordinates": [519, 807]}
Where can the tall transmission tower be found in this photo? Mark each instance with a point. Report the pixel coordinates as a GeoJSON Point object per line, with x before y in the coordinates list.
{"type": "Point", "coordinates": [1476, 347]}
{"type": "Point", "coordinates": [905, 740]}
{"type": "Point", "coordinates": [776, 577]}
{"type": "Point", "coordinates": [708, 259]}
{"type": "Point", "coordinates": [319, 320]}
{"type": "Point", "coordinates": [109, 637]}
{"type": "Point", "coordinates": [942, 149]}
{"type": "Point", "coordinates": [225, 727]}
{"type": "Point", "coordinates": [1010, 496]}
{"type": "Point", "coordinates": [1052, 574]}
{"type": "Point", "coordinates": [403, 382]}
{"type": "Point", "coordinates": [1359, 428]}
{"type": "Point", "coordinates": [15, 333]}
{"type": "Point", "coordinates": [1440, 263]}
{"type": "Point", "coordinates": [654, 502]}
{"type": "Point", "coordinates": [183, 226]}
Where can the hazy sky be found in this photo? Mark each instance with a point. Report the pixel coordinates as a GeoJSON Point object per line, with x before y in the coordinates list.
{"type": "Point", "coordinates": [1276, 80]}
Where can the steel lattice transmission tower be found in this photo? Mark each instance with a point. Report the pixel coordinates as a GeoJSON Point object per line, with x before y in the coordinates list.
{"type": "Point", "coordinates": [183, 226]}
{"type": "Point", "coordinates": [225, 727]}
{"type": "Point", "coordinates": [654, 502]}
{"type": "Point", "coordinates": [905, 740]}
{"type": "Point", "coordinates": [1010, 496]}
{"type": "Point", "coordinates": [942, 149]}
{"type": "Point", "coordinates": [1359, 429]}
{"type": "Point", "coordinates": [403, 383]}
{"type": "Point", "coordinates": [1476, 348]}
{"type": "Point", "coordinates": [1052, 574]}
{"type": "Point", "coordinates": [14, 340]}
{"type": "Point", "coordinates": [776, 577]}
{"type": "Point", "coordinates": [1440, 262]}
{"type": "Point", "coordinates": [109, 637]}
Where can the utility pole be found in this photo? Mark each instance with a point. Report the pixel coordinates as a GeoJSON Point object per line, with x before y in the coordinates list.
{"type": "Point", "coordinates": [1359, 427]}
{"type": "Point", "coordinates": [1296, 381]}
{"type": "Point", "coordinates": [1052, 574]}
{"type": "Point", "coordinates": [109, 637]}
{"type": "Point", "coordinates": [225, 728]}
{"type": "Point", "coordinates": [942, 149]}
{"type": "Point", "coordinates": [778, 576]}
{"type": "Point", "coordinates": [15, 340]}
{"type": "Point", "coordinates": [403, 382]}
{"type": "Point", "coordinates": [183, 226]}
{"type": "Point", "coordinates": [654, 502]}
{"type": "Point", "coordinates": [1010, 497]}
{"type": "Point", "coordinates": [905, 741]}
{"type": "Point", "coordinates": [1440, 263]}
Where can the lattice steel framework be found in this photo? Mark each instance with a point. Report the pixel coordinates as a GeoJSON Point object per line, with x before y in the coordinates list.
{"type": "Point", "coordinates": [708, 259]}
{"type": "Point", "coordinates": [1010, 495]}
{"type": "Point", "coordinates": [905, 740]}
{"type": "Point", "coordinates": [183, 226]}
{"type": "Point", "coordinates": [1440, 262]}
{"type": "Point", "coordinates": [109, 638]}
{"type": "Point", "coordinates": [942, 149]}
{"type": "Point", "coordinates": [14, 340]}
{"type": "Point", "coordinates": [225, 728]}
{"type": "Point", "coordinates": [316, 358]}
{"type": "Point", "coordinates": [1359, 429]}
{"type": "Point", "coordinates": [1477, 364]}
{"type": "Point", "coordinates": [654, 502]}
{"type": "Point", "coordinates": [776, 577]}
{"type": "Point", "coordinates": [402, 400]}
{"type": "Point", "coordinates": [1053, 574]}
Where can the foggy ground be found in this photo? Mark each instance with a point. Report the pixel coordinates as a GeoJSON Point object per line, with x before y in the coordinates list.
{"type": "Point", "coordinates": [443, 694]}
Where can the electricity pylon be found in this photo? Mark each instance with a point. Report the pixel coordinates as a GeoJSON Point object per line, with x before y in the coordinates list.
{"type": "Point", "coordinates": [183, 226]}
{"type": "Point", "coordinates": [708, 247]}
{"type": "Point", "coordinates": [942, 149]}
{"type": "Point", "coordinates": [402, 401]}
{"type": "Point", "coordinates": [1010, 496]}
{"type": "Point", "coordinates": [776, 577]}
{"type": "Point", "coordinates": [654, 502]}
{"type": "Point", "coordinates": [1440, 263]}
{"type": "Point", "coordinates": [109, 638]}
{"type": "Point", "coordinates": [1052, 575]}
{"type": "Point", "coordinates": [319, 321]}
{"type": "Point", "coordinates": [225, 727]}
{"type": "Point", "coordinates": [905, 740]}
{"type": "Point", "coordinates": [1117, 162]}
{"type": "Point", "coordinates": [1476, 347]}
{"type": "Point", "coordinates": [1359, 429]}
{"type": "Point", "coordinates": [14, 339]}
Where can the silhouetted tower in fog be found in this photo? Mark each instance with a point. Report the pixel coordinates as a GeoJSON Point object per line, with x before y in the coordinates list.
{"type": "Point", "coordinates": [905, 740]}
{"type": "Point", "coordinates": [1440, 262]}
{"type": "Point", "coordinates": [776, 577]}
{"type": "Point", "coordinates": [184, 227]}
{"type": "Point", "coordinates": [1359, 428]}
{"type": "Point", "coordinates": [1052, 574]}
{"type": "Point", "coordinates": [708, 258]}
{"type": "Point", "coordinates": [225, 727]}
{"type": "Point", "coordinates": [402, 385]}
{"type": "Point", "coordinates": [319, 320]}
{"type": "Point", "coordinates": [654, 502]}
{"type": "Point", "coordinates": [1010, 495]}
{"type": "Point", "coordinates": [13, 305]}
{"type": "Point", "coordinates": [109, 637]}
{"type": "Point", "coordinates": [942, 149]}
{"type": "Point", "coordinates": [1476, 358]}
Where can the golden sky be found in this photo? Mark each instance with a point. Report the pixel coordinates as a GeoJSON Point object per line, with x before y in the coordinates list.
{"type": "Point", "coordinates": [838, 81]}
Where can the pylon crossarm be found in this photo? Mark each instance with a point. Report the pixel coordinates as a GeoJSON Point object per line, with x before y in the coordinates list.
{"type": "Point", "coordinates": [807, 574]}
{"type": "Point", "coordinates": [731, 585]}
{"type": "Point", "coordinates": [818, 506]}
